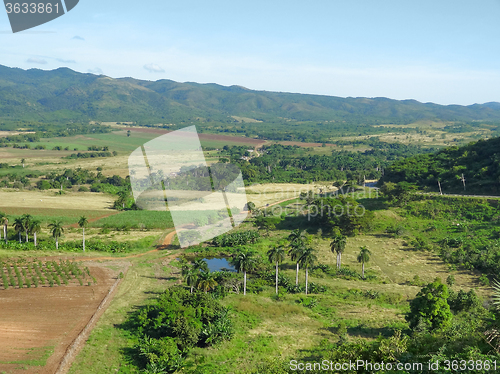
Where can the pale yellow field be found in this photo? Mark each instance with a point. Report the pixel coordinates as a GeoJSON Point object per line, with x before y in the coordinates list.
{"type": "Point", "coordinates": [269, 193]}
{"type": "Point", "coordinates": [49, 199]}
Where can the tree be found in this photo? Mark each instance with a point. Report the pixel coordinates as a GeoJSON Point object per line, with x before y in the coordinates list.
{"type": "Point", "coordinates": [338, 245]}
{"type": "Point", "coordinates": [363, 257]}
{"type": "Point", "coordinates": [251, 206]}
{"type": "Point", "coordinates": [3, 222]}
{"type": "Point", "coordinates": [430, 306]}
{"type": "Point", "coordinates": [19, 226]}
{"type": "Point", "coordinates": [22, 162]}
{"type": "Point", "coordinates": [191, 277]}
{"type": "Point", "coordinates": [276, 255]}
{"type": "Point", "coordinates": [339, 184]}
{"type": "Point", "coordinates": [27, 218]}
{"type": "Point", "coordinates": [128, 133]}
{"type": "Point", "coordinates": [206, 282]}
{"type": "Point", "coordinates": [307, 259]}
{"type": "Point", "coordinates": [266, 223]}
{"type": "Point", "coordinates": [200, 265]}
{"type": "Point", "coordinates": [82, 222]}
{"type": "Point", "coordinates": [35, 227]}
{"type": "Point", "coordinates": [57, 230]}
{"type": "Point", "coordinates": [298, 240]}
{"type": "Point", "coordinates": [244, 261]}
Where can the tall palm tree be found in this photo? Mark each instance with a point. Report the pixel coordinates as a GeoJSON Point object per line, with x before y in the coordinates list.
{"type": "Point", "coordinates": [307, 259]}
{"type": "Point", "coordinates": [244, 262]}
{"type": "Point", "coordinates": [19, 226]}
{"type": "Point", "coordinates": [276, 255]}
{"type": "Point", "coordinates": [82, 222]}
{"type": "Point", "coordinates": [3, 216]}
{"type": "Point", "coordinates": [35, 227]}
{"type": "Point", "coordinates": [295, 252]}
{"type": "Point", "coordinates": [27, 218]}
{"type": "Point", "coordinates": [191, 277]}
{"type": "Point", "coordinates": [298, 240]}
{"type": "Point", "coordinates": [57, 230]}
{"type": "Point", "coordinates": [363, 257]}
{"type": "Point", "coordinates": [206, 282]}
{"type": "Point", "coordinates": [338, 245]}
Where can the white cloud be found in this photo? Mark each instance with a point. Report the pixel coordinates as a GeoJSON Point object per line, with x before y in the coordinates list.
{"type": "Point", "coordinates": [97, 71]}
{"type": "Point", "coordinates": [77, 37]}
{"type": "Point", "coordinates": [153, 68]}
{"type": "Point", "coordinates": [66, 61]}
{"type": "Point", "coordinates": [36, 60]}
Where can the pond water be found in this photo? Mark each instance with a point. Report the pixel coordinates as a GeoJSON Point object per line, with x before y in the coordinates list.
{"type": "Point", "coordinates": [218, 264]}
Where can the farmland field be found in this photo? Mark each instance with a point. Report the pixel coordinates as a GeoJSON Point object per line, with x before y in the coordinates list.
{"type": "Point", "coordinates": [39, 324]}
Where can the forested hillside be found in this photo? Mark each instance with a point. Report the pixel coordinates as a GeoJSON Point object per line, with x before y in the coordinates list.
{"type": "Point", "coordinates": [478, 162]}
{"type": "Point", "coordinates": [64, 94]}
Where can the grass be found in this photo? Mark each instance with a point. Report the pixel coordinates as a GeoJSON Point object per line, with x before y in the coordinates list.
{"type": "Point", "coordinates": [47, 215]}
{"type": "Point", "coordinates": [108, 344]}
{"type": "Point", "coordinates": [35, 357]}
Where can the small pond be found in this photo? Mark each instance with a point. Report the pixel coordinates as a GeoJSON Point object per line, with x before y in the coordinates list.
{"type": "Point", "coordinates": [218, 264]}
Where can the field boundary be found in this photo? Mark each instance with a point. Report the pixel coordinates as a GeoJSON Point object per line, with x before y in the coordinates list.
{"type": "Point", "coordinates": [82, 337]}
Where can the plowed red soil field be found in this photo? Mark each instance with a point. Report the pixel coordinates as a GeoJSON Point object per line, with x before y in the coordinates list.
{"type": "Point", "coordinates": [43, 321]}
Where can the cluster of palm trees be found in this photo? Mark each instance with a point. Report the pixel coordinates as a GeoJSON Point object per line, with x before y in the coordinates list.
{"type": "Point", "coordinates": [299, 250]}
{"type": "Point", "coordinates": [197, 275]}
{"type": "Point", "coordinates": [28, 225]}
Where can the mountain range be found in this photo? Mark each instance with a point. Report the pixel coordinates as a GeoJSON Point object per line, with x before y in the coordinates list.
{"type": "Point", "coordinates": [66, 95]}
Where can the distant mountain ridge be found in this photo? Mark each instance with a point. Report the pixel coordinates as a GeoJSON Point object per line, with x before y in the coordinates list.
{"type": "Point", "coordinates": [65, 95]}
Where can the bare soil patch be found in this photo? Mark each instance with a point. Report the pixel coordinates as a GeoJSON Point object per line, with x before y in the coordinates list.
{"type": "Point", "coordinates": [37, 321]}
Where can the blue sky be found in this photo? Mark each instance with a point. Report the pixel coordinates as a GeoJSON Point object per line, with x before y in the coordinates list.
{"type": "Point", "coordinates": [443, 51]}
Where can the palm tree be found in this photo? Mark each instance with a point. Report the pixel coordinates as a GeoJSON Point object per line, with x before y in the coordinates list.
{"type": "Point", "coordinates": [307, 260]}
{"type": "Point", "coordinates": [19, 226]}
{"type": "Point", "coordinates": [295, 252]}
{"type": "Point", "coordinates": [338, 245]}
{"type": "Point", "coordinates": [277, 255]}
{"type": "Point", "coordinates": [200, 265]}
{"type": "Point", "coordinates": [298, 240]}
{"type": "Point", "coordinates": [243, 262]}
{"type": "Point", "coordinates": [57, 230]}
{"type": "Point", "coordinates": [206, 282]}
{"type": "Point", "coordinates": [3, 217]}
{"type": "Point", "coordinates": [298, 236]}
{"type": "Point", "coordinates": [34, 228]}
{"type": "Point", "coordinates": [82, 222]}
{"type": "Point", "coordinates": [363, 257]}
{"type": "Point", "coordinates": [27, 218]}
{"type": "Point", "coordinates": [191, 277]}
{"type": "Point", "coordinates": [5, 221]}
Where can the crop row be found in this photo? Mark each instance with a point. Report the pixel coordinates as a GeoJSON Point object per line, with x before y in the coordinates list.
{"type": "Point", "coordinates": [21, 273]}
